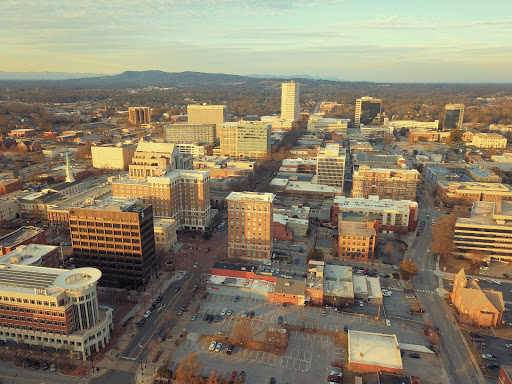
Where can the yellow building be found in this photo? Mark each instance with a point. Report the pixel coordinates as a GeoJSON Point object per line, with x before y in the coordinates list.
{"type": "Point", "coordinates": [165, 233]}
{"type": "Point", "coordinates": [488, 140]}
{"type": "Point", "coordinates": [207, 114]}
{"type": "Point", "coordinates": [245, 141]}
{"type": "Point", "coordinates": [112, 157]}
{"type": "Point", "coordinates": [139, 115]}
{"type": "Point", "coordinates": [250, 225]}
{"type": "Point", "coordinates": [290, 107]}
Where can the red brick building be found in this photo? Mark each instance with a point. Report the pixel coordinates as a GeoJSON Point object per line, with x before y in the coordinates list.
{"type": "Point", "coordinates": [357, 240]}
{"type": "Point", "coordinates": [22, 236]}
{"type": "Point", "coordinates": [281, 232]}
{"type": "Point", "coordinates": [9, 186]}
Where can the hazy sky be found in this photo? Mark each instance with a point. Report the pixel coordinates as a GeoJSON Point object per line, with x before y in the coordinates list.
{"type": "Point", "coordinates": [372, 40]}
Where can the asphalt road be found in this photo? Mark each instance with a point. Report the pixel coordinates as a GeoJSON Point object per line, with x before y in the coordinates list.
{"type": "Point", "coordinates": [455, 358]}
{"type": "Point", "coordinates": [12, 375]}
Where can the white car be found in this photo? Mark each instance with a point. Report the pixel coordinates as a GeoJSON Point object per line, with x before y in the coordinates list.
{"type": "Point", "coordinates": [508, 345]}
{"type": "Point", "coordinates": [224, 311]}
{"type": "Point", "coordinates": [361, 304]}
{"type": "Point", "coordinates": [218, 347]}
{"type": "Point", "coordinates": [494, 281]}
{"type": "Point", "coordinates": [388, 323]}
{"type": "Point", "coordinates": [212, 345]}
{"type": "Point", "coordinates": [147, 314]}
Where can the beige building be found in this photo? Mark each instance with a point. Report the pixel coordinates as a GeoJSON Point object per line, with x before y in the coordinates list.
{"type": "Point", "coordinates": [330, 167]}
{"type": "Point", "coordinates": [319, 123]}
{"type": "Point", "coordinates": [412, 124]}
{"type": "Point", "coordinates": [452, 193]}
{"type": "Point", "coordinates": [250, 225]}
{"type": "Point", "coordinates": [112, 156]}
{"type": "Point", "coordinates": [207, 114]}
{"type": "Point", "coordinates": [165, 233]}
{"type": "Point", "coordinates": [190, 133]}
{"type": "Point", "coordinates": [356, 240]}
{"type": "Point", "coordinates": [486, 140]}
{"type": "Point", "coordinates": [156, 159]}
{"type": "Point", "coordinates": [368, 111]}
{"type": "Point", "coordinates": [139, 115]}
{"type": "Point", "coordinates": [180, 195]}
{"type": "Point", "coordinates": [290, 107]}
{"type": "Point", "coordinates": [394, 184]}
{"type": "Point", "coordinates": [244, 141]}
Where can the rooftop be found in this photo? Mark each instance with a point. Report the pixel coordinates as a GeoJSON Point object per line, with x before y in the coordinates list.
{"type": "Point", "coordinates": [374, 349]}
{"type": "Point", "coordinates": [116, 204]}
{"type": "Point", "coordinates": [338, 281]}
{"type": "Point", "coordinates": [27, 254]}
{"type": "Point", "coordinates": [251, 196]}
{"type": "Point", "coordinates": [372, 202]}
{"type": "Point", "coordinates": [18, 236]}
{"type": "Point", "coordinates": [352, 228]}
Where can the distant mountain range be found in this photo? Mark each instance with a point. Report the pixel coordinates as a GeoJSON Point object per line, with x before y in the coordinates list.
{"type": "Point", "coordinates": [267, 76]}
{"type": "Point", "coordinates": [45, 75]}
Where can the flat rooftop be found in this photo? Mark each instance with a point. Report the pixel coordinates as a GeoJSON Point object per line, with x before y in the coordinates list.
{"type": "Point", "coordinates": [372, 202]}
{"type": "Point", "coordinates": [338, 281]}
{"type": "Point", "coordinates": [374, 349]}
{"type": "Point", "coordinates": [30, 279]}
{"type": "Point", "coordinates": [251, 196]}
{"type": "Point", "coordinates": [27, 254]}
{"type": "Point", "coordinates": [352, 228]}
{"type": "Point", "coordinates": [18, 236]}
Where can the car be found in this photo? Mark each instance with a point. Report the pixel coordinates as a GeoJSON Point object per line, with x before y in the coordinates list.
{"type": "Point", "coordinates": [272, 380]}
{"type": "Point", "coordinates": [53, 367]}
{"type": "Point", "coordinates": [494, 281]}
{"type": "Point", "coordinates": [147, 314]}
{"type": "Point", "coordinates": [45, 366]}
{"type": "Point", "coordinates": [277, 271]}
{"type": "Point", "coordinates": [337, 364]}
{"type": "Point", "coordinates": [152, 308]}
{"type": "Point", "coordinates": [345, 329]}
{"type": "Point", "coordinates": [181, 310]}
{"type": "Point", "coordinates": [162, 305]}
{"type": "Point", "coordinates": [487, 356]}
{"type": "Point", "coordinates": [206, 317]}
{"type": "Point", "coordinates": [194, 317]}
{"type": "Point", "coordinates": [242, 375]}
{"type": "Point", "coordinates": [218, 347]}
{"type": "Point", "coordinates": [279, 319]}
{"type": "Point", "coordinates": [474, 334]}
{"type": "Point", "coordinates": [212, 346]}
{"type": "Point", "coordinates": [36, 365]}
{"type": "Point", "coordinates": [217, 318]}
{"type": "Point", "coordinates": [224, 311]}
{"type": "Point", "coordinates": [230, 349]}
{"type": "Point", "coordinates": [508, 345]}
{"type": "Point", "coordinates": [28, 363]}
{"type": "Point", "coordinates": [141, 322]}
{"type": "Point", "coordinates": [388, 323]}
{"type": "Point", "coordinates": [493, 366]}
{"type": "Point", "coordinates": [335, 379]}
{"type": "Point", "coordinates": [323, 312]}
{"type": "Point", "coordinates": [481, 344]}
{"type": "Point", "coordinates": [177, 289]}
{"type": "Point", "coordinates": [477, 339]}
{"type": "Point", "coordinates": [438, 331]}
{"type": "Point", "coordinates": [272, 270]}
{"type": "Point", "coordinates": [251, 314]}
{"type": "Point", "coordinates": [196, 264]}
{"type": "Point", "coordinates": [246, 314]}
{"type": "Point", "coordinates": [361, 304]}
{"type": "Point", "coordinates": [232, 379]}
{"type": "Point", "coordinates": [296, 260]}
{"type": "Point", "coordinates": [159, 299]}
{"type": "Point", "coordinates": [207, 250]}
{"type": "Point", "coordinates": [235, 300]}
{"type": "Point", "coordinates": [414, 356]}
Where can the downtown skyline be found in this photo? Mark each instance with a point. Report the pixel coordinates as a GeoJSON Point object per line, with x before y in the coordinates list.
{"type": "Point", "coordinates": [346, 40]}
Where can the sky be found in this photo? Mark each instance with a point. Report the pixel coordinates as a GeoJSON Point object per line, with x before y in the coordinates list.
{"type": "Point", "coordinates": [365, 40]}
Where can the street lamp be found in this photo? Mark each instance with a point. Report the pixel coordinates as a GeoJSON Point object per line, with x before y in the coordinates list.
{"type": "Point", "coordinates": [144, 284]}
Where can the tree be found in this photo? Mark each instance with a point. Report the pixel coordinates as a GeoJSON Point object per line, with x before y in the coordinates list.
{"type": "Point", "coordinates": [207, 235]}
{"type": "Point", "coordinates": [477, 258]}
{"type": "Point", "coordinates": [389, 248]}
{"type": "Point", "coordinates": [242, 332]}
{"type": "Point", "coordinates": [335, 248]}
{"type": "Point", "coordinates": [443, 232]}
{"type": "Point", "coordinates": [408, 268]}
{"type": "Point", "coordinates": [400, 231]}
{"type": "Point", "coordinates": [315, 254]}
{"type": "Point", "coordinates": [402, 249]}
{"type": "Point", "coordinates": [214, 379]}
{"type": "Point", "coordinates": [188, 370]}
{"type": "Point", "coordinates": [455, 135]}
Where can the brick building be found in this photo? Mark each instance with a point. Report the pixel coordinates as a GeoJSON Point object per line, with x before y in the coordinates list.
{"type": "Point", "coordinates": [9, 185]}
{"type": "Point", "coordinates": [356, 240]}
{"type": "Point", "coordinates": [394, 184]}
{"type": "Point", "coordinates": [21, 236]}
{"type": "Point", "coordinates": [34, 254]}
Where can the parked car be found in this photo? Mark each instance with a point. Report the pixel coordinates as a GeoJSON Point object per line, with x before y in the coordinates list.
{"type": "Point", "coordinates": [335, 379]}
{"type": "Point", "coordinates": [345, 329]}
{"type": "Point", "coordinates": [251, 314]}
{"type": "Point", "coordinates": [212, 346]}
{"type": "Point", "coordinates": [246, 314]}
{"type": "Point", "coordinates": [361, 304]}
{"type": "Point", "coordinates": [53, 367]}
{"type": "Point", "coordinates": [279, 319]}
{"type": "Point", "coordinates": [224, 311]}
{"type": "Point", "coordinates": [177, 289]}
{"type": "Point", "coordinates": [141, 322]}
{"type": "Point", "coordinates": [337, 364]}
{"type": "Point", "coordinates": [323, 312]}
{"type": "Point", "coordinates": [205, 317]}
{"type": "Point", "coordinates": [229, 312]}
{"type": "Point", "coordinates": [36, 365]}
{"type": "Point", "coordinates": [232, 379]}
{"type": "Point", "coordinates": [28, 363]}
{"type": "Point", "coordinates": [181, 310]}
{"type": "Point", "coordinates": [235, 300]}
{"type": "Point", "coordinates": [45, 366]}
{"type": "Point", "coordinates": [480, 344]}
{"type": "Point", "coordinates": [388, 323]}
{"type": "Point", "coordinates": [487, 356]}
{"type": "Point", "coordinates": [230, 349]}
{"type": "Point", "coordinates": [438, 331]}
{"type": "Point", "coordinates": [493, 366]}
{"type": "Point", "coordinates": [508, 345]}
{"type": "Point", "coordinates": [194, 317]}
{"type": "Point", "coordinates": [218, 347]}
{"type": "Point", "coordinates": [414, 356]}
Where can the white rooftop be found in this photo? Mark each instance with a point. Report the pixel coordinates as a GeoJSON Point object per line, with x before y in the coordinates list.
{"type": "Point", "coordinates": [374, 349]}
{"type": "Point", "coordinates": [251, 196]}
{"type": "Point", "coordinates": [29, 254]}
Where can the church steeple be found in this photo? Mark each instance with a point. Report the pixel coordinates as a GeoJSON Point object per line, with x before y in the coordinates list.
{"type": "Point", "coordinates": [69, 174]}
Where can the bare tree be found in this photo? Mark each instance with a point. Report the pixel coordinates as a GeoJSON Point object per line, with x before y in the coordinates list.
{"type": "Point", "coordinates": [188, 370]}
{"type": "Point", "coordinates": [242, 332]}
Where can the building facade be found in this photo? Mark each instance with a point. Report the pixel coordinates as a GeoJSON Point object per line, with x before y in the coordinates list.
{"type": "Point", "coordinates": [139, 115]}
{"type": "Point", "coordinates": [9, 185]}
{"type": "Point", "coordinates": [156, 159]}
{"type": "Point", "coordinates": [49, 307]}
{"type": "Point", "coordinates": [250, 225]}
{"type": "Point", "coordinates": [394, 184]}
{"type": "Point", "coordinates": [368, 111]}
{"type": "Point", "coordinates": [21, 236]}
{"type": "Point", "coordinates": [453, 116]}
{"type": "Point", "coordinates": [190, 133]}
{"type": "Point", "coordinates": [207, 114]}
{"type": "Point", "coordinates": [290, 106]}
{"type": "Point", "coordinates": [452, 193]}
{"type": "Point", "coordinates": [330, 167]}
{"type": "Point", "coordinates": [117, 237]}
{"type": "Point", "coordinates": [180, 195]}
{"type": "Point", "coordinates": [356, 241]}
{"type": "Point", "coordinates": [112, 156]}
{"type": "Point", "coordinates": [245, 141]}
{"type": "Point", "coordinates": [488, 140]}
{"type": "Point", "coordinates": [165, 233]}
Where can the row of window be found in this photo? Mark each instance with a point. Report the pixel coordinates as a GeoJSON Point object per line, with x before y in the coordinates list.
{"type": "Point", "coordinates": [102, 224]}
{"type": "Point", "coordinates": [31, 310]}
{"type": "Point", "coordinates": [36, 329]}
{"type": "Point", "coordinates": [26, 301]}
{"type": "Point", "coordinates": [35, 320]}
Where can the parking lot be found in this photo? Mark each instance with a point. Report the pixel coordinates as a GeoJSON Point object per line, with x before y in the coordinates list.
{"type": "Point", "coordinates": [399, 305]}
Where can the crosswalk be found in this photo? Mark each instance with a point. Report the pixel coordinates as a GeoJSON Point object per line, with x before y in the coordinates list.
{"type": "Point", "coordinates": [425, 291]}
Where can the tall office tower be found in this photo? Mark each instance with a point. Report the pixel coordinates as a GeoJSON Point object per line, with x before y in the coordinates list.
{"type": "Point", "coordinates": [207, 114]}
{"type": "Point", "coordinates": [156, 159]}
{"type": "Point", "coordinates": [180, 195]}
{"type": "Point", "coordinates": [245, 141]}
{"type": "Point", "coordinates": [394, 184]}
{"type": "Point", "coordinates": [111, 156]}
{"type": "Point", "coordinates": [290, 107]}
{"type": "Point", "coordinates": [250, 225]}
{"type": "Point", "coordinates": [368, 110]}
{"type": "Point", "coordinates": [116, 236]}
{"type": "Point", "coordinates": [330, 168]}
{"type": "Point", "coordinates": [53, 308]}
{"type": "Point", "coordinates": [453, 115]}
{"type": "Point", "coordinates": [139, 115]}
{"type": "Point", "coordinates": [190, 133]}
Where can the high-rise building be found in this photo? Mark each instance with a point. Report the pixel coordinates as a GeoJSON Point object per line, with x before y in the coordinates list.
{"type": "Point", "coordinates": [139, 115]}
{"type": "Point", "coordinates": [116, 236]}
{"type": "Point", "coordinates": [250, 225]}
{"type": "Point", "coordinates": [290, 107]}
{"type": "Point", "coordinates": [190, 133]}
{"type": "Point", "coordinates": [245, 141]}
{"type": "Point", "coordinates": [453, 116]}
{"type": "Point", "coordinates": [394, 184]}
{"type": "Point", "coordinates": [368, 110]}
{"type": "Point", "coordinates": [180, 195]}
{"type": "Point", "coordinates": [207, 114]}
{"type": "Point", "coordinates": [156, 159]}
{"type": "Point", "coordinates": [330, 167]}
{"type": "Point", "coordinates": [112, 156]}
{"type": "Point", "coordinates": [52, 307]}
